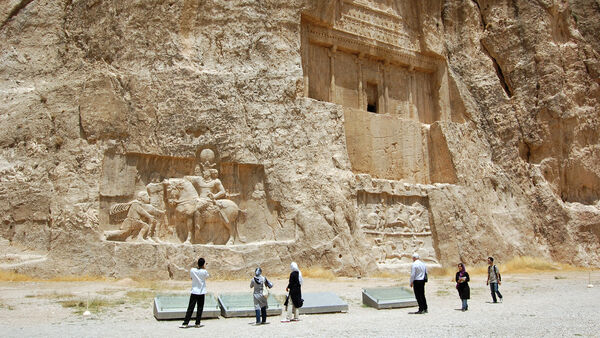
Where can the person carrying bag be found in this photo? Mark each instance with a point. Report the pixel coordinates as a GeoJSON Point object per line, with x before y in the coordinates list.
{"type": "Point", "coordinates": [294, 299]}
{"type": "Point", "coordinates": [261, 285]}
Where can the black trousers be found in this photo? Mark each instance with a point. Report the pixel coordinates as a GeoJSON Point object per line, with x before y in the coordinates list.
{"type": "Point", "coordinates": [419, 290]}
{"type": "Point", "coordinates": [194, 299]}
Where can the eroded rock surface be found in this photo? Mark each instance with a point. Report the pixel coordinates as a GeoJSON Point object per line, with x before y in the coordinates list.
{"type": "Point", "coordinates": [348, 133]}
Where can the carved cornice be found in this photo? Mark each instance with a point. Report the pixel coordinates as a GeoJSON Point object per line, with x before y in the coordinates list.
{"type": "Point", "coordinates": [357, 44]}
{"type": "Point", "coordinates": [377, 33]}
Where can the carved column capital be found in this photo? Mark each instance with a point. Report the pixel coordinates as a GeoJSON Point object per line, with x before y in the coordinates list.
{"type": "Point", "coordinates": [331, 52]}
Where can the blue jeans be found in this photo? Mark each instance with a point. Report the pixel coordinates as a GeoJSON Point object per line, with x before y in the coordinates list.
{"type": "Point", "coordinates": [263, 312]}
{"type": "Point", "coordinates": [494, 290]}
{"type": "Point", "coordinates": [465, 306]}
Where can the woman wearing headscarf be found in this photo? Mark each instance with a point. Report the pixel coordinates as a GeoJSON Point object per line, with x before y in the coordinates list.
{"type": "Point", "coordinates": [462, 285]}
{"type": "Point", "coordinates": [259, 282]}
{"type": "Point", "coordinates": [295, 293]}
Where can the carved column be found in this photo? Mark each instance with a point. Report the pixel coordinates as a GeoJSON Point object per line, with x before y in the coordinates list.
{"type": "Point", "coordinates": [305, 62]}
{"type": "Point", "coordinates": [412, 92]}
{"type": "Point", "coordinates": [386, 99]}
{"type": "Point", "coordinates": [361, 100]}
{"type": "Point", "coordinates": [331, 54]}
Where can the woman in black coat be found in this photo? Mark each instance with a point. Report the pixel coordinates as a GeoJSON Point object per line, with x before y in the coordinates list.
{"type": "Point", "coordinates": [295, 294]}
{"type": "Point", "coordinates": [462, 285]}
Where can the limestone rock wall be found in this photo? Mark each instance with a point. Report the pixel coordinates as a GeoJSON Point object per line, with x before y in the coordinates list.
{"type": "Point", "coordinates": [483, 139]}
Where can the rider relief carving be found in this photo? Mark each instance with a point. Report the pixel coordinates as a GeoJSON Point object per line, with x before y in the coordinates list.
{"type": "Point", "coordinates": [196, 207]}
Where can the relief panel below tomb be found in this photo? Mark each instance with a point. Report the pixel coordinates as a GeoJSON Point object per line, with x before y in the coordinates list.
{"type": "Point", "coordinates": [162, 199]}
{"type": "Point", "coordinates": [397, 227]}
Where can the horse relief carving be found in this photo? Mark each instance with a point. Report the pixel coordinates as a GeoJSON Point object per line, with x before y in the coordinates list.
{"type": "Point", "coordinates": [197, 211]}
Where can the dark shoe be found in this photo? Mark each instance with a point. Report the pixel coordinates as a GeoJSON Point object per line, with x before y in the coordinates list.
{"type": "Point", "coordinates": [424, 311]}
{"type": "Point", "coordinates": [416, 313]}
{"type": "Point", "coordinates": [198, 325]}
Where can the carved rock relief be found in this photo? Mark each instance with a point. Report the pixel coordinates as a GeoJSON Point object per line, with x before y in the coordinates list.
{"type": "Point", "coordinates": [176, 204]}
{"type": "Point", "coordinates": [375, 21]}
{"type": "Point", "coordinates": [397, 226]}
{"type": "Point", "coordinates": [366, 60]}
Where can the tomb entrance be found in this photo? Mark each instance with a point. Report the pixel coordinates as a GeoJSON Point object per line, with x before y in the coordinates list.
{"type": "Point", "coordinates": [366, 56]}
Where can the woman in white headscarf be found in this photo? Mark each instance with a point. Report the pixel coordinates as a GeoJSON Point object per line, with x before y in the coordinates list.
{"type": "Point", "coordinates": [259, 282]}
{"type": "Point", "coordinates": [294, 299]}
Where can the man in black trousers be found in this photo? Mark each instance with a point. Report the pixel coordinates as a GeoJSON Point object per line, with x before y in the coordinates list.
{"type": "Point", "coordinates": [418, 277]}
{"type": "Point", "coordinates": [197, 295]}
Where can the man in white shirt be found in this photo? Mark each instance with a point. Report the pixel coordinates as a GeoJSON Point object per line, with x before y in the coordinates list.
{"type": "Point", "coordinates": [418, 277]}
{"type": "Point", "coordinates": [198, 276]}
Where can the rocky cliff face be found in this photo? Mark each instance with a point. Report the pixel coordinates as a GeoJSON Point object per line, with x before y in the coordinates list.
{"type": "Point", "coordinates": [349, 134]}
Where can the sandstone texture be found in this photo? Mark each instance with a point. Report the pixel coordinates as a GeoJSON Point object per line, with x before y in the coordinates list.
{"type": "Point", "coordinates": [345, 134]}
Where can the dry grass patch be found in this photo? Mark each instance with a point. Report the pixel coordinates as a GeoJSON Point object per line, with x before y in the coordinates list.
{"type": "Point", "coordinates": [389, 275]}
{"type": "Point", "coordinates": [75, 278]}
{"type": "Point", "coordinates": [94, 305]}
{"type": "Point", "coordinates": [520, 264]}
{"type": "Point", "coordinates": [140, 295]}
{"type": "Point", "coordinates": [534, 264]}
{"type": "Point", "coordinates": [6, 306]}
{"type": "Point", "coordinates": [109, 292]}
{"type": "Point", "coordinates": [318, 272]}
{"type": "Point", "coordinates": [441, 271]}
{"type": "Point", "coordinates": [53, 295]}
{"type": "Point", "coordinates": [10, 276]}
{"type": "Point", "coordinates": [152, 284]}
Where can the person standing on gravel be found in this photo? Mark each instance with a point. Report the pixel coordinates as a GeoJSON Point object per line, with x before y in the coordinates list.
{"type": "Point", "coordinates": [494, 279]}
{"type": "Point", "coordinates": [259, 283]}
{"type": "Point", "coordinates": [418, 278]}
{"type": "Point", "coordinates": [462, 285]}
{"type": "Point", "coordinates": [198, 276]}
{"type": "Point", "coordinates": [294, 299]}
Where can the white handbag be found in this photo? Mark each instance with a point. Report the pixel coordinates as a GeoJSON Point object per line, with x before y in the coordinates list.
{"type": "Point", "coordinates": [265, 290]}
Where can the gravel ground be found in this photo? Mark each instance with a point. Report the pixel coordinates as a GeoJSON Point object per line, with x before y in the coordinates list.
{"type": "Point", "coordinates": [542, 304]}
